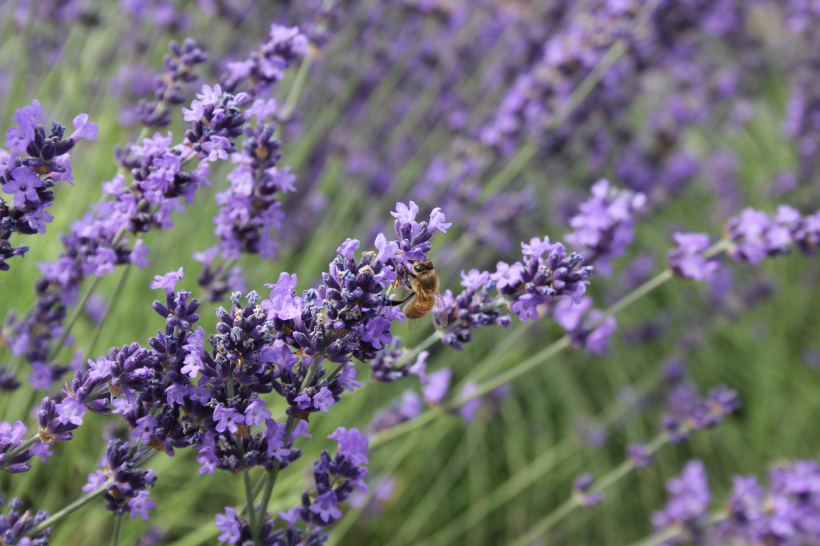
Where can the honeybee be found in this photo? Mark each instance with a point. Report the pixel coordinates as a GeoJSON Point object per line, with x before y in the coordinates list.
{"type": "Point", "coordinates": [423, 282]}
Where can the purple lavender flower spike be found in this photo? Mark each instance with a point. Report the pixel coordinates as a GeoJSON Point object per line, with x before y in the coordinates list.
{"type": "Point", "coordinates": [29, 179]}
{"type": "Point", "coordinates": [689, 499]}
{"type": "Point", "coordinates": [336, 478]}
{"type": "Point", "coordinates": [15, 524]}
{"type": "Point", "coordinates": [437, 386]}
{"type": "Point", "coordinates": [580, 490]}
{"type": "Point", "coordinates": [179, 69]}
{"type": "Point", "coordinates": [266, 66]}
{"type": "Point", "coordinates": [127, 483]}
{"type": "Point", "coordinates": [687, 259]}
{"type": "Point", "coordinates": [583, 324]}
{"type": "Point", "coordinates": [407, 408]}
{"type": "Point", "coordinates": [250, 212]}
{"type": "Point", "coordinates": [604, 226]}
{"type": "Point", "coordinates": [638, 455]}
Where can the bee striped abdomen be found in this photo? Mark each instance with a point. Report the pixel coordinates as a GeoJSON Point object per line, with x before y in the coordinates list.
{"type": "Point", "coordinates": [419, 306]}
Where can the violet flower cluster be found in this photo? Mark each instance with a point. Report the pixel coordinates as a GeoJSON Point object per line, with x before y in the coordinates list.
{"type": "Point", "coordinates": [785, 512]}
{"type": "Point", "coordinates": [96, 243]}
{"type": "Point", "coordinates": [334, 478]}
{"type": "Point", "coordinates": [29, 179]}
{"type": "Point", "coordinates": [604, 225]}
{"type": "Point", "coordinates": [179, 69]}
{"type": "Point", "coordinates": [266, 66]}
{"type": "Point", "coordinates": [391, 363]}
{"type": "Point", "coordinates": [249, 211]}
{"type": "Point", "coordinates": [14, 452]}
{"type": "Point", "coordinates": [687, 411]}
{"type": "Point", "coordinates": [548, 272]}
{"type": "Point", "coordinates": [750, 236]}
{"type": "Point", "coordinates": [125, 483]}
{"type": "Point", "coordinates": [16, 523]}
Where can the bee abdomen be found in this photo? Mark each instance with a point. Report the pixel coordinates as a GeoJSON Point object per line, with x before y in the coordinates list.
{"type": "Point", "coordinates": [416, 309]}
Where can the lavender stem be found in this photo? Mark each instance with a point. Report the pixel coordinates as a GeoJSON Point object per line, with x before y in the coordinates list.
{"type": "Point", "coordinates": [115, 533]}
{"type": "Point", "coordinates": [274, 471]}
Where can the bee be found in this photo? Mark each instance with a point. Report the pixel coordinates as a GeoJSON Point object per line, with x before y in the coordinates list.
{"type": "Point", "coordinates": [423, 282]}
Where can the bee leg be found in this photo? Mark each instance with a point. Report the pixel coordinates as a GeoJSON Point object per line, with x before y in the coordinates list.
{"type": "Point", "coordinates": [405, 300]}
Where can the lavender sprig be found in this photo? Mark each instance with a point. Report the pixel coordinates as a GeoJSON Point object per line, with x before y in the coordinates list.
{"type": "Point", "coordinates": [29, 179]}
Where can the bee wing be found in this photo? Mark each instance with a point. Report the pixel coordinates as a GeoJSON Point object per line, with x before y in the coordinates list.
{"type": "Point", "coordinates": [413, 325]}
{"type": "Point", "coordinates": [440, 313]}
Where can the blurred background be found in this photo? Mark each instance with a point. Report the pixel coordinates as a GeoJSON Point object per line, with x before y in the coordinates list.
{"type": "Point", "coordinates": [503, 113]}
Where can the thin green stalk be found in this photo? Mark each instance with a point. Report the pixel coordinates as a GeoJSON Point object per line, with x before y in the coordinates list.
{"type": "Point", "coordinates": [115, 533]}
{"type": "Point", "coordinates": [274, 471]}
{"type": "Point", "coordinates": [68, 510]}
{"type": "Point", "coordinates": [112, 300]}
{"type": "Point", "coordinates": [296, 88]}
{"type": "Point", "coordinates": [429, 504]}
{"type": "Point", "coordinates": [82, 501]}
{"type": "Point", "coordinates": [75, 314]}
{"type": "Point", "coordinates": [246, 474]}
{"type": "Point", "coordinates": [22, 447]}
{"type": "Point", "coordinates": [572, 503]}
{"type": "Point", "coordinates": [676, 532]}
{"type": "Point", "coordinates": [246, 479]}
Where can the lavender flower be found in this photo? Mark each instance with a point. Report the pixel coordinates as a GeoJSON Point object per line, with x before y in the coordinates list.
{"type": "Point", "coordinates": [754, 234]}
{"type": "Point", "coordinates": [580, 490]}
{"type": "Point", "coordinates": [584, 325]}
{"type": "Point", "coordinates": [249, 211]}
{"type": "Point", "coordinates": [336, 478]}
{"type": "Point", "coordinates": [179, 69]}
{"type": "Point", "coordinates": [638, 455]}
{"type": "Point", "coordinates": [407, 408]}
{"type": "Point", "coordinates": [689, 500]}
{"type": "Point", "coordinates": [384, 367]}
{"type": "Point", "coordinates": [604, 226]}
{"type": "Point", "coordinates": [14, 525]}
{"type": "Point", "coordinates": [96, 243]}
{"type": "Point", "coordinates": [126, 485]}
{"type": "Point", "coordinates": [687, 411]}
{"type": "Point", "coordinates": [28, 180]}
{"type": "Point", "coordinates": [266, 65]}
{"type": "Point", "coordinates": [687, 260]}
{"type": "Point", "coordinates": [235, 529]}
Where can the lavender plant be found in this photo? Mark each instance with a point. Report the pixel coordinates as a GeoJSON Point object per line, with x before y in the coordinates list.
{"type": "Point", "coordinates": [588, 176]}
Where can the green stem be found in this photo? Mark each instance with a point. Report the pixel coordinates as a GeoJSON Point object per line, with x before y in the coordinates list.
{"type": "Point", "coordinates": [572, 503]}
{"type": "Point", "coordinates": [296, 89]}
{"type": "Point", "coordinates": [246, 473]}
{"type": "Point", "coordinates": [68, 510]}
{"type": "Point", "coordinates": [82, 501]}
{"type": "Point", "coordinates": [22, 447]}
{"type": "Point", "coordinates": [274, 471]}
{"type": "Point", "coordinates": [674, 532]}
{"type": "Point", "coordinates": [246, 478]}
{"type": "Point", "coordinates": [115, 534]}
{"type": "Point", "coordinates": [108, 306]}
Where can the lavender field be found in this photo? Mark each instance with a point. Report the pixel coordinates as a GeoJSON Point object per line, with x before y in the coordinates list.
{"type": "Point", "coordinates": [409, 272]}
